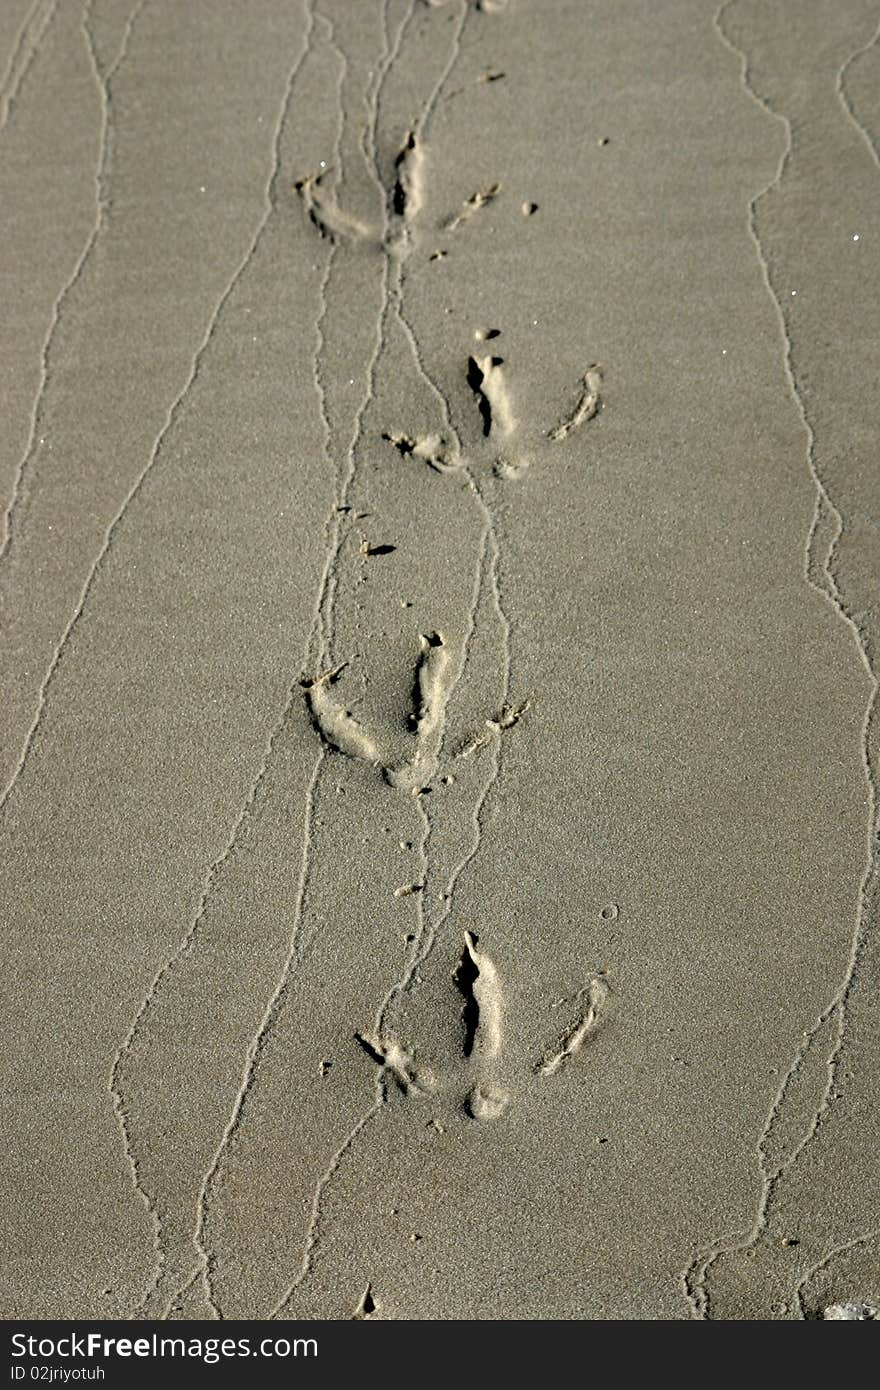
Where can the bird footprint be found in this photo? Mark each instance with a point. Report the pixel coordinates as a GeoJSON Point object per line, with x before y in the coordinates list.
{"type": "Point", "coordinates": [499, 440]}
{"type": "Point", "coordinates": [482, 1085]}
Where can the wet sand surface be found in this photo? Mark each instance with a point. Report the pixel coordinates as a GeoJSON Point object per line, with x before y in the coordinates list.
{"type": "Point", "coordinates": [439, 600]}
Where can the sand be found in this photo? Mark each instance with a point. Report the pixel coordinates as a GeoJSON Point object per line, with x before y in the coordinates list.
{"type": "Point", "coordinates": [439, 612]}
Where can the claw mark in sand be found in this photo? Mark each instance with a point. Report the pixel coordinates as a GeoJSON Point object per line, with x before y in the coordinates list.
{"type": "Point", "coordinates": [486, 380]}
{"type": "Point", "coordinates": [475, 202]}
{"type": "Point", "coordinates": [486, 376]}
{"type": "Point", "coordinates": [510, 469]}
{"type": "Point", "coordinates": [595, 994]}
{"type": "Point", "coordinates": [431, 449]}
{"type": "Point", "coordinates": [506, 718]}
{"type": "Point", "coordinates": [586, 408]}
{"type": "Point", "coordinates": [484, 80]}
{"type": "Point", "coordinates": [477, 978]}
{"type": "Point", "coordinates": [397, 1062]}
{"type": "Point", "coordinates": [337, 726]}
{"type": "Point", "coordinates": [480, 977]}
{"type": "Point", "coordinates": [407, 196]}
{"type": "Point", "coordinates": [368, 1307]}
{"type": "Point", "coordinates": [430, 684]}
{"type": "Point", "coordinates": [341, 731]}
{"type": "Point", "coordinates": [327, 217]}
{"type": "Point", "coordinates": [406, 890]}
